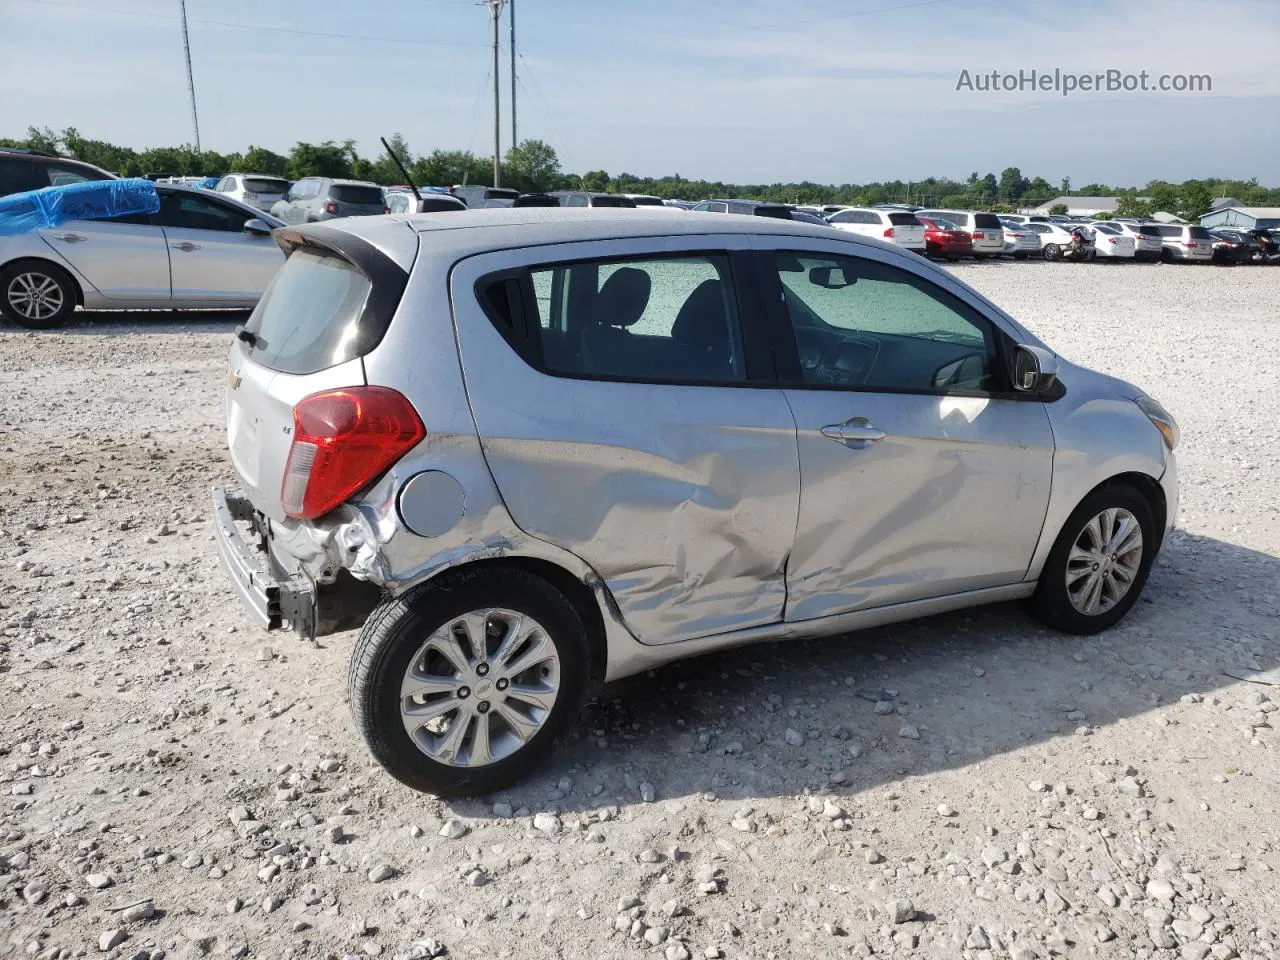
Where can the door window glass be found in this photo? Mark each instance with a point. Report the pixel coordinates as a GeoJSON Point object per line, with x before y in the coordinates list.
{"type": "Point", "coordinates": [860, 323]}
{"type": "Point", "coordinates": [60, 176]}
{"type": "Point", "coordinates": [189, 212]}
{"type": "Point", "coordinates": [671, 319]}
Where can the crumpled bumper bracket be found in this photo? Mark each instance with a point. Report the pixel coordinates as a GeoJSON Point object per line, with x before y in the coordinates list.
{"type": "Point", "coordinates": [275, 600]}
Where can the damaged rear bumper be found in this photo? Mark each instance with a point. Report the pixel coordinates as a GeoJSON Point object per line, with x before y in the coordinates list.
{"type": "Point", "coordinates": [275, 598]}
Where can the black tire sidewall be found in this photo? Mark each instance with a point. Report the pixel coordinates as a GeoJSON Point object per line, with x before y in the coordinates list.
{"type": "Point", "coordinates": [1051, 603]}
{"type": "Point", "coordinates": [395, 633]}
{"type": "Point", "coordinates": [54, 273]}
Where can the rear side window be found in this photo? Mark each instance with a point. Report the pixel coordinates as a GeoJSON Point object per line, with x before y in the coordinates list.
{"type": "Point", "coordinates": [608, 201]}
{"type": "Point", "coordinates": [349, 193]}
{"type": "Point", "coordinates": [904, 220]}
{"type": "Point", "coordinates": [264, 185]}
{"type": "Point", "coordinates": [653, 320]}
{"type": "Point", "coordinates": [1198, 233]}
{"type": "Point", "coordinates": [308, 318]}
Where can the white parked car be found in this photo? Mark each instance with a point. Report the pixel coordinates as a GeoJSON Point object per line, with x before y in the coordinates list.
{"type": "Point", "coordinates": [985, 228]}
{"type": "Point", "coordinates": [1055, 239]}
{"type": "Point", "coordinates": [1148, 244]}
{"type": "Point", "coordinates": [256, 190]}
{"type": "Point", "coordinates": [1111, 242]}
{"type": "Point", "coordinates": [891, 226]}
{"type": "Point", "coordinates": [1193, 244]}
{"type": "Point", "coordinates": [1019, 242]}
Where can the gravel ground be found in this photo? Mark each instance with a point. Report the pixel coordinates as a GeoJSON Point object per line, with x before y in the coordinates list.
{"type": "Point", "coordinates": [177, 784]}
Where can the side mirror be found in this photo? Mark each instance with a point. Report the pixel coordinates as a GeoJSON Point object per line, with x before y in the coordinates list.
{"type": "Point", "coordinates": [830, 278]}
{"type": "Point", "coordinates": [1035, 369]}
{"type": "Point", "coordinates": [257, 227]}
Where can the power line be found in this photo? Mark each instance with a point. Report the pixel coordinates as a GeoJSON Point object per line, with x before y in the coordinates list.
{"type": "Point", "coordinates": [257, 27]}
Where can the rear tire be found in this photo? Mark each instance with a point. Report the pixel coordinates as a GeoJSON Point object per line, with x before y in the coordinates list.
{"type": "Point", "coordinates": [1097, 527]}
{"type": "Point", "coordinates": [36, 295]}
{"type": "Point", "coordinates": [401, 645]}
{"type": "Point", "coordinates": [1052, 251]}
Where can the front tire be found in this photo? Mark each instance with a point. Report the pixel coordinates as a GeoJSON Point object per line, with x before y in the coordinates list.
{"type": "Point", "coordinates": [1099, 564]}
{"type": "Point", "coordinates": [466, 684]}
{"type": "Point", "coordinates": [36, 295]}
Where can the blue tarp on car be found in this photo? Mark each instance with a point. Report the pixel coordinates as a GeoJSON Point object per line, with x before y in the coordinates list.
{"type": "Point", "coordinates": [208, 183]}
{"type": "Point", "coordinates": [88, 200]}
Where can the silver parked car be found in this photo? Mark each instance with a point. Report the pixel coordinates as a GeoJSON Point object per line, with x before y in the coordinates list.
{"type": "Point", "coordinates": [201, 250]}
{"type": "Point", "coordinates": [255, 189]}
{"type": "Point", "coordinates": [313, 199]}
{"type": "Point", "coordinates": [531, 454]}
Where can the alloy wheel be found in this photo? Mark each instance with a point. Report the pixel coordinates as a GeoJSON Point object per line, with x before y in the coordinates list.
{"type": "Point", "coordinates": [480, 687]}
{"type": "Point", "coordinates": [34, 296]}
{"type": "Point", "coordinates": [1104, 561]}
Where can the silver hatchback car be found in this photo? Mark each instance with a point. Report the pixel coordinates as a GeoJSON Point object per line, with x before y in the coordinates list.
{"type": "Point", "coordinates": [532, 450]}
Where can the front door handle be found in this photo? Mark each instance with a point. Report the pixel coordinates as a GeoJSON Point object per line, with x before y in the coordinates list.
{"type": "Point", "coordinates": [71, 238]}
{"type": "Point", "coordinates": [186, 246]}
{"type": "Point", "coordinates": [856, 433]}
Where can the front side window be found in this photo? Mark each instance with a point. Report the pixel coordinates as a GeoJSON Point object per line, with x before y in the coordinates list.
{"type": "Point", "coordinates": [673, 319]}
{"type": "Point", "coordinates": [60, 176]}
{"type": "Point", "coordinates": [860, 323]}
{"type": "Point", "coordinates": [190, 212]}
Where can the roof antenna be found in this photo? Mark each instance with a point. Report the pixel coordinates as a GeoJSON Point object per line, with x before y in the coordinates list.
{"type": "Point", "coordinates": [407, 179]}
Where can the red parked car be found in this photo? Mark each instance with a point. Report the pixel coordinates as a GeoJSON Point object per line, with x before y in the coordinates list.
{"type": "Point", "coordinates": [942, 238]}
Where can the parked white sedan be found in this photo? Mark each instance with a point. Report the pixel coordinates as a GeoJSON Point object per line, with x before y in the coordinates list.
{"type": "Point", "coordinates": [892, 226]}
{"type": "Point", "coordinates": [202, 250]}
{"type": "Point", "coordinates": [1112, 242]}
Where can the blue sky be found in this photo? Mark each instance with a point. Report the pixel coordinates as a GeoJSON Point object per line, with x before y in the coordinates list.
{"type": "Point", "coordinates": [737, 90]}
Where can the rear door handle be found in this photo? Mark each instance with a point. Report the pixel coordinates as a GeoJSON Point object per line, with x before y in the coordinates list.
{"type": "Point", "coordinates": [856, 433]}
{"type": "Point", "coordinates": [71, 238]}
{"type": "Point", "coordinates": [186, 246]}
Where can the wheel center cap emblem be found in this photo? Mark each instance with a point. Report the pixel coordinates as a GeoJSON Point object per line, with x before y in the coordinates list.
{"type": "Point", "coordinates": [483, 688]}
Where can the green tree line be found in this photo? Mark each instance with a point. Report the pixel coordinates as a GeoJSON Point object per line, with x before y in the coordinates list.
{"type": "Point", "coordinates": [533, 165]}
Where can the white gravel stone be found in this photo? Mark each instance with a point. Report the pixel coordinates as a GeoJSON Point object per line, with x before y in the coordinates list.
{"type": "Point", "coordinates": [381, 872]}
{"type": "Point", "coordinates": [453, 830]}
{"type": "Point", "coordinates": [547, 823]}
{"type": "Point", "coordinates": [110, 939]}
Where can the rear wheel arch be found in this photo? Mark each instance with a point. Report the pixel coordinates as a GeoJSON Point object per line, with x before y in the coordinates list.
{"type": "Point", "coordinates": [579, 594]}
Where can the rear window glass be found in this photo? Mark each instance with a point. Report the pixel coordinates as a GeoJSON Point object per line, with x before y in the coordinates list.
{"type": "Point", "coordinates": [987, 221]}
{"type": "Point", "coordinates": [265, 185]}
{"type": "Point", "coordinates": [1147, 230]}
{"type": "Point", "coordinates": [308, 318]}
{"type": "Point", "coordinates": [647, 202]}
{"type": "Point", "coordinates": [498, 193]}
{"type": "Point", "coordinates": [612, 202]}
{"type": "Point", "coordinates": [346, 193]}
{"type": "Point", "coordinates": [904, 220]}
{"type": "Point", "coordinates": [1198, 233]}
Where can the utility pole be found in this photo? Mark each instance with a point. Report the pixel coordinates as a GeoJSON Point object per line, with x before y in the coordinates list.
{"type": "Point", "coordinates": [495, 7]}
{"type": "Point", "coordinates": [512, 44]}
{"type": "Point", "coordinates": [191, 84]}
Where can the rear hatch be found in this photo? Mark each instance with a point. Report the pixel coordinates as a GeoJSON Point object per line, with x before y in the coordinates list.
{"type": "Point", "coordinates": [320, 315]}
{"type": "Point", "coordinates": [263, 192]}
{"type": "Point", "coordinates": [356, 200]}
{"type": "Point", "coordinates": [988, 232]}
{"type": "Point", "coordinates": [908, 231]}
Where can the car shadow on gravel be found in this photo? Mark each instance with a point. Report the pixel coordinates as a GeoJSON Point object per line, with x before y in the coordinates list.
{"type": "Point", "coordinates": [968, 685]}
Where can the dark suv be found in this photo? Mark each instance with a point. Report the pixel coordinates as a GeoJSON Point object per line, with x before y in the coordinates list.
{"type": "Point", "coordinates": [22, 170]}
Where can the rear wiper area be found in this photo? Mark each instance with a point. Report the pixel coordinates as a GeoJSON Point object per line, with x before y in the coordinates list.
{"type": "Point", "coordinates": [246, 336]}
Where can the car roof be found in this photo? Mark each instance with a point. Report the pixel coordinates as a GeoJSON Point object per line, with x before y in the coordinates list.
{"type": "Point", "coordinates": [36, 156]}
{"type": "Point", "coordinates": [465, 233]}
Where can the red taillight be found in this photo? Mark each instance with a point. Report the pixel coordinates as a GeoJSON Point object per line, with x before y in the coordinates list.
{"type": "Point", "coordinates": [979, 235]}
{"type": "Point", "coordinates": [1018, 236]}
{"type": "Point", "coordinates": [1113, 239]}
{"type": "Point", "coordinates": [1191, 244]}
{"type": "Point", "coordinates": [330, 207]}
{"type": "Point", "coordinates": [889, 232]}
{"type": "Point", "coordinates": [343, 440]}
{"type": "Point", "coordinates": [386, 209]}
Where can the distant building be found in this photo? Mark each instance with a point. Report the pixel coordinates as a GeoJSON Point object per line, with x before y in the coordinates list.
{"type": "Point", "coordinates": [1081, 206]}
{"type": "Point", "coordinates": [1243, 218]}
{"type": "Point", "coordinates": [1220, 203]}
{"type": "Point", "coordinates": [1162, 216]}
